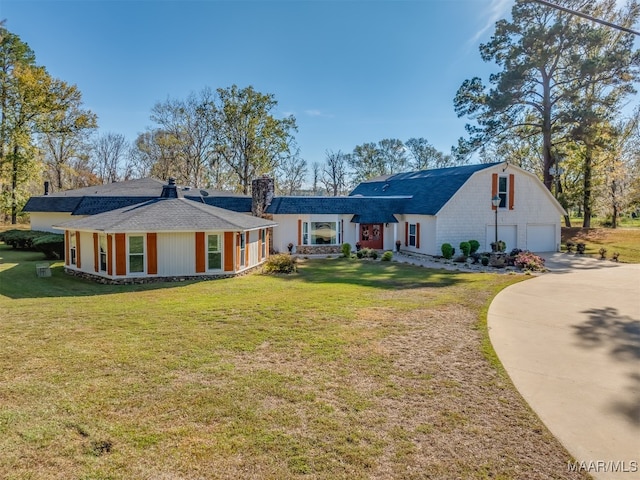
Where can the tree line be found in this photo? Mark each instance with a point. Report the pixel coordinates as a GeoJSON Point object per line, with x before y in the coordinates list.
{"type": "Point", "coordinates": [556, 105]}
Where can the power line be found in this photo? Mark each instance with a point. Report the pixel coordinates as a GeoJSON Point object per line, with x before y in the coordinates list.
{"type": "Point", "coordinates": [588, 17]}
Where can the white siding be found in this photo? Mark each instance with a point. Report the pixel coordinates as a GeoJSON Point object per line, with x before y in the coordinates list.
{"type": "Point", "coordinates": [176, 254]}
{"type": "Point", "coordinates": [44, 221]}
{"type": "Point", "coordinates": [427, 234]}
{"type": "Point", "coordinates": [468, 215]}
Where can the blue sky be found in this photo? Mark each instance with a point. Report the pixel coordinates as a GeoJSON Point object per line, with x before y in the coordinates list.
{"type": "Point", "coordinates": [349, 71]}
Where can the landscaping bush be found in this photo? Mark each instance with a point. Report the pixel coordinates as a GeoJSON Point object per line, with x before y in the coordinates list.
{"type": "Point", "coordinates": [360, 254]}
{"type": "Point", "coordinates": [484, 260]}
{"type": "Point", "coordinates": [346, 250]}
{"type": "Point", "coordinates": [447, 250]}
{"type": "Point", "coordinates": [21, 239]}
{"type": "Point", "coordinates": [280, 263]}
{"type": "Point", "coordinates": [465, 248]}
{"type": "Point", "coordinates": [387, 256]}
{"type": "Point", "coordinates": [475, 245]}
{"type": "Point", "coordinates": [52, 245]}
{"type": "Point", "coordinates": [373, 254]}
{"type": "Point", "coordinates": [529, 261]}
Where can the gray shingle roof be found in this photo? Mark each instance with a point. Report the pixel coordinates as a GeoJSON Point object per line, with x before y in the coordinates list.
{"type": "Point", "coordinates": [172, 214]}
{"type": "Point", "coordinates": [98, 198]}
{"type": "Point", "coordinates": [375, 210]}
{"type": "Point", "coordinates": [429, 189]}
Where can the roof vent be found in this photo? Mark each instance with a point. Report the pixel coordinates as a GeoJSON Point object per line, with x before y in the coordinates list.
{"type": "Point", "coordinates": [170, 190]}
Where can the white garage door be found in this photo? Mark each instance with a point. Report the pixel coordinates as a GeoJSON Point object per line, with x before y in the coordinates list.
{"type": "Point", "coordinates": [507, 233]}
{"type": "Point", "coordinates": [541, 238]}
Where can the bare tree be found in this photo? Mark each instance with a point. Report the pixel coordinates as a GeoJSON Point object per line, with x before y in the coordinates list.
{"type": "Point", "coordinates": [334, 174]}
{"type": "Point", "coordinates": [109, 151]}
{"type": "Point", "coordinates": [316, 172]}
{"type": "Point", "coordinates": [290, 175]}
{"type": "Point", "coordinates": [188, 128]}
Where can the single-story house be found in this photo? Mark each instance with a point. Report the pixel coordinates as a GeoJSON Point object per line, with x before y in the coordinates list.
{"type": "Point", "coordinates": [165, 237]}
{"type": "Point", "coordinates": [421, 210]}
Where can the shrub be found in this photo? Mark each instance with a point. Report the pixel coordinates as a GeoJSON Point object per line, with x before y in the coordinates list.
{"type": "Point", "coordinates": [447, 250]}
{"type": "Point", "coordinates": [570, 246]}
{"type": "Point", "coordinates": [280, 264]}
{"type": "Point", "coordinates": [360, 254]}
{"type": "Point", "coordinates": [51, 245]}
{"type": "Point", "coordinates": [346, 250]}
{"type": "Point", "coordinates": [387, 256]}
{"type": "Point", "coordinates": [484, 261]}
{"type": "Point", "coordinates": [465, 248]}
{"type": "Point", "coordinates": [373, 254]}
{"type": "Point", "coordinates": [529, 261]}
{"type": "Point", "coordinates": [21, 239]}
{"type": "Point", "coordinates": [603, 253]}
{"type": "Point", "coordinates": [475, 245]}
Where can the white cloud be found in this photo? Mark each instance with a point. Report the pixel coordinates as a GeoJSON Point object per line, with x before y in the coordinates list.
{"type": "Point", "coordinates": [317, 113]}
{"type": "Point", "coordinates": [497, 10]}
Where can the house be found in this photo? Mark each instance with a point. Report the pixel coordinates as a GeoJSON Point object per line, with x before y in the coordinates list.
{"type": "Point", "coordinates": [169, 236]}
{"type": "Point", "coordinates": [421, 210]}
{"type": "Point", "coordinates": [425, 209]}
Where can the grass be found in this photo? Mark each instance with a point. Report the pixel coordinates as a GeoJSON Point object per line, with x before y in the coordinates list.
{"type": "Point", "coordinates": [625, 241]}
{"type": "Point", "coordinates": [344, 370]}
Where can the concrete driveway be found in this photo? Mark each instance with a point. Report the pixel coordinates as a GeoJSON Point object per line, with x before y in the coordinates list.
{"type": "Point", "coordinates": [570, 341]}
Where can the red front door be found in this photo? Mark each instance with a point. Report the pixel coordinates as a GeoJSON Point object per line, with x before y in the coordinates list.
{"type": "Point", "coordinates": [371, 235]}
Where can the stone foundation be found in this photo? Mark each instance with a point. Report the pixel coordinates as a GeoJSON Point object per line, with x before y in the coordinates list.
{"type": "Point", "coordinates": [318, 249]}
{"type": "Point", "coordinates": [142, 280]}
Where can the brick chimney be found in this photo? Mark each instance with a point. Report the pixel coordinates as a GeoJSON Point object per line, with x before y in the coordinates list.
{"type": "Point", "coordinates": [262, 191]}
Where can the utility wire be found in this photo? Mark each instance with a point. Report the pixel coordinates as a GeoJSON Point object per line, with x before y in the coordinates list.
{"type": "Point", "coordinates": [588, 17]}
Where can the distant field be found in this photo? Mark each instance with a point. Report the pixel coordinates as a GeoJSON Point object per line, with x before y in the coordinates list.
{"type": "Point", "coordinates": [625, 241]}
{"type": "Point", "coordinates": [346, 370]}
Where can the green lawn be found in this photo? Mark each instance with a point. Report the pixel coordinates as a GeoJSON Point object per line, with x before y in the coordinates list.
{"type": "Point", "coordinates": [345, 370]}
{"type": "Point", "coordinates": [625, 241]}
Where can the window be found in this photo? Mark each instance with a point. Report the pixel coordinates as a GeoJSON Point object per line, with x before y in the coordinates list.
{"type": "Point", "coordinates": [72, 249]}
{"type": "Point", "coordinates": [136, 254]}
{"type": "Point", "coordinates": [103, 253]}
{"type": "Point", "coordinates": [324, 233]}
{"type": "Point", "coordinates": [263, 245]}
{"type": "Point", "coordinates": [242, 250]}
{"type": "Point", "coordinates": [502, 191]}
{"type": "Point", "coordinates": [412, 234]}
{"type": "Point", "coordinates": [214, 254]}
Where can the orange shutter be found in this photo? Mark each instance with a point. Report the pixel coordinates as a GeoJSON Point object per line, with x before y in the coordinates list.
{"type": "Point", "coordinates": [228, 251]}
{"type": "Point", "coordinates": [200, 258]}
{"type": "Point", "coordinates": [511, 190]}
{"type": "Point", "coordinates": [152, 253]}
{"type": "Point", "coordinates": [67, 250]}
{"type": "Point", "coordinates": [96, 251]}
{"type": "Point", "coordinates": [406, 234]}
{"type": "Point", "coordinates": [267, 239]}
{"type": "Point", "coordinates": [121, 254]}
{"type": "Point", "coordinates": [238, 251]}
{"type": "Point", "coordinates": [246, 249]}
{"type": "Point", "coordinates": [494, 188]}
{"type": "Point", "coordinates": [78, 256]}
{"type": "Point", "coordinates": [417, 235]}
{"type": "Point", "coordinates": [109, 254]}
{"type": "Point", "coordinates": [299, 232]}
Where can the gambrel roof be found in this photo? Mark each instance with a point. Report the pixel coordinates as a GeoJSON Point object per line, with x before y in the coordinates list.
{"type": "Point", "coordinates": [428, 190]}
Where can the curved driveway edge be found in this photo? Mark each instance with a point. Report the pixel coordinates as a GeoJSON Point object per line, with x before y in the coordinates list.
{"type": "Point", "coordinates": [570, 341]}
